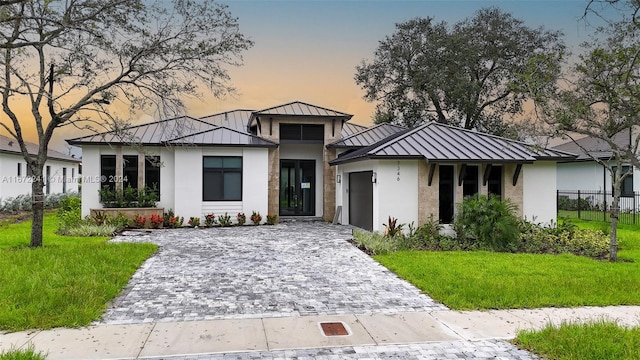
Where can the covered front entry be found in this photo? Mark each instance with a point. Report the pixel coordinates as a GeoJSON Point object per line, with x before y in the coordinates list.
{"type": "Point", "coordinates": [361, 199]}
{"type": "Point", "coordinates": [297, 187]}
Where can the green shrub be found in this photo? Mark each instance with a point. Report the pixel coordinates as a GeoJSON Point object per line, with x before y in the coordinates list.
{"type": "Point", "coordinates": [392, 228]}
{"type": "Point", "coordinates": [89, 229]}
{"type": "Point", "coordinates": [224, 220]}
{"type": "Point", "coordinates": [272, 219]}
{"type": "Point", "coordinates": [562, 238]}
{"type": "Point", "coordinates": [375, 243]}
{"type": "Point", "coordinates": [128, 197]}
{"type": "Point", "coordinates": [489, 221]}
{"type": "Point", "coordinates": [69, 213]}
{"type": "Point", "coordinates": [120, 221]}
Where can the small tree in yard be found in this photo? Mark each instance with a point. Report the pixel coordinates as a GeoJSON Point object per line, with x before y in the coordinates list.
{"type": "Point", "coordinates": [601, 99]}
{"type": "Point", "coordinates": [75, 62]}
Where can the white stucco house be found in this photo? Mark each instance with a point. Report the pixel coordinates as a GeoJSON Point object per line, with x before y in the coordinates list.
{"type": "Point", "coordinates": [61, 171]}
{"type": "Point", "coordinates": [303, 160]}
{"type": "Point", "coordinates": [584, 173]}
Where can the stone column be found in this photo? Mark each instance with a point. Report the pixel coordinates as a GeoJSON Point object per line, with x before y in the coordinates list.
{"type": "Point", "coordinates": [119, 169]}
{"type": "Point", "coordinates": [428, 196]}
{"type": "Point", "coordinates": [513, 193]}
{"type": "Point", "coordinates": [329, 197]}
{"type": "Point", "coordinates": [273, 194]}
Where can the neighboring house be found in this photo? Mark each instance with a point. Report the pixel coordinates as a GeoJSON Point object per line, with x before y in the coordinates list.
{"type": "Point", "coordinates": [60, 171]}
{"type": "Point", "coordinates": [584, 173]}
{"type": "Point", "coordinates": [299, 159]}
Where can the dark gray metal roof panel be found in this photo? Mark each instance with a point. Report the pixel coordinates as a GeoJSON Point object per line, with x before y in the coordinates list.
{"type": "Point", "coordinates": [438, 142]}
{"type": "Point", "coordinates": [221, 136]}
{"type": "Point", "coordinates": [236, 119]}
{"type": "Point", "coordinates": [10, 145]}
{"type": "Point", "coordinates": [155, 132]}
{"type": "Point", "coordinates": [349, 129]}
{"type": "Point", "coordinates": [368, 136]}
{"type": "Point", "coordinates": [299, 108]}
{"type": "Point", "coordinates": [588, 147]}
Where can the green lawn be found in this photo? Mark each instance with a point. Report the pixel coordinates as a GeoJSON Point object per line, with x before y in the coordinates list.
{"type": "Point", "coordinates": [594, 341]}
{"type": "Point", "coordinates": [487, 280]}
{"type": "Point", "coordinates": [68, 282]}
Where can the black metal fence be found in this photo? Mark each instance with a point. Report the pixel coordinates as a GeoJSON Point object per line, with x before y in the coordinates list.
{"type": "Point", "coordinates": [595, 205]}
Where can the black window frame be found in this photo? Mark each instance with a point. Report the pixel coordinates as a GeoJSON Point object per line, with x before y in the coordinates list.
{"type": "Point", "coordinates": [130, 171]}
{"type": "Point", "coordinates": [302, 133]}
{"type": "Point", "coordinates": [108, 173]}
{"type": "Point", "coordinates": [64, 180]}
{"type": "Point", "coordinates": [627, 183]}
{"type": "Point", "coordinates": [471, 181]}
{"type": "Point", "coordinates": [151, 167]}
{"type": "Point", "coordinates": [221, 171]}
{"type": "Point", "coordinates": [496, 178]}
{"type": "Point", "coordinates": [19, 169]}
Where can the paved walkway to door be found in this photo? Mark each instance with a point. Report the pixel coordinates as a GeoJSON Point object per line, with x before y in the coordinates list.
{"type": "Point", "coordinates": [297, 268]}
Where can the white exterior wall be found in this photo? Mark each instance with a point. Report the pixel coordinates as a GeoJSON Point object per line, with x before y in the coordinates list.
{"type": "Point", "coordinates": [12, 185]}
{"type": "Point", "coordinates": [397, 186]}
{"type": "Point", "coordinates": [91, 179]}
{"type": "Point", "coordinates": [539, 192]}
{"type": "Point", "coordinates": [308, 152]}
{"type": "Point", "coordinates": [587, 175]}
{"type": "Point", "coordinates": [343, 189]}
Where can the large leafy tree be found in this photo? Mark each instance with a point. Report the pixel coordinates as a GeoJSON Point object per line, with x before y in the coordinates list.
{"type": "Point", "coordinates": [468, 74]}
{"type": "Point", "coordinates": [600, 98]}
{"type": "Point", "coordinates": [76, 62]}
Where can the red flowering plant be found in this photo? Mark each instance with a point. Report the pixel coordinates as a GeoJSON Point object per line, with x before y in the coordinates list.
{"type": "Point", "coordinates": [241, 218]}
{"type": "Point", "coordinates": [139, 221]}
{"type": "Point", "coordinates": [209, 220]}
{"type": "Point", "coordinates": [156, 221]}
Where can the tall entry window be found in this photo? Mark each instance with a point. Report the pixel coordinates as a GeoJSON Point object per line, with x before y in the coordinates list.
{"type": "Point", "coordinates": [446, 194]}
{"type": "Point", "coordinates": [494, 183]}
{"type": "Point", "coordinates": [470, 181]}
{"type": "Point", "coordinates": [130, 171]}
{"type": "Point", "coordinates": [297, 187]}
{"type": "Point", "coordinates": [108, 171]}
{"type": "Point", "coordinates": [222, 178]}
{"type": "Point", "coordinates": [152, 173]}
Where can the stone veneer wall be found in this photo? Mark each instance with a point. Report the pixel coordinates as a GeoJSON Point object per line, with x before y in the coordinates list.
{"type": "Point", "coordinates": [428, 196]}
{"type": "Point", "coordinates": [329, 193]}
{"type": "Point", "coordinates": [273, 194]}
{"type": "Point", "coordinates": [513, 193]}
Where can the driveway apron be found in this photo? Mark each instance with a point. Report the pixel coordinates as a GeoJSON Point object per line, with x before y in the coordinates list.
{"type": "Point", "coordinates": [297, 268]}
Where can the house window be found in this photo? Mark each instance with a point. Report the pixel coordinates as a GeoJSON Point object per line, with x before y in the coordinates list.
{"type": "Point", "coordinates": [130, 171]}
{"type": "Point", "coordinates": [446, 195]}
{"type": "Point", "coordinates": [152, 173]}
{"type": "Point", "coordinates": [627, 183]}
{"type": "Point", "coordinates": [107, 171]}
{"type": "Point", "coordinates": [222, 178]}
{"type": "Point", "coordinates": [79, 169]}
{"type": "Point", "coordinates": [48, 187]}
{"type": "Point", "coordinates": [64, 179]}
{"type": "Point", "coordinates": [302, 132]}
{"type": "Point", "coordinates": [470, 181]}
{"type": "Point", "coordinates": [73, 175]}
{"type": "Point", "coordinates": [19, 169]}
{"type": "Point", "coordinates": [494, 183]}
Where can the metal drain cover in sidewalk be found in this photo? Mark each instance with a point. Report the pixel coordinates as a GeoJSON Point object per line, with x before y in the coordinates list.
{"type": "Point", "coordinates": [334, 329]}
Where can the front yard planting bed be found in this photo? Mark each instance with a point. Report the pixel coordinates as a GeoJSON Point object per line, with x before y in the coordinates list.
{"type": "Point", "coordinates": [490, 280]}
{"type": "Point", "coordinates": [66, 283]}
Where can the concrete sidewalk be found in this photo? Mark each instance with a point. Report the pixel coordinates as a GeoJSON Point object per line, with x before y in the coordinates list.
{"type": "Point", "coordinates": [175, 339]}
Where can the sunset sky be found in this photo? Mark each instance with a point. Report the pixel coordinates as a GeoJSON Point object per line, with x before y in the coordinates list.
{"type": "Point", "coordinates": [308, 50]}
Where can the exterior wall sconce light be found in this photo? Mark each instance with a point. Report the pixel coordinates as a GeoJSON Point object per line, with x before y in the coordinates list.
{"type": "Point", "coordinates": [339, 179]}
{"type": "Point", "coordinates": [374, 178]}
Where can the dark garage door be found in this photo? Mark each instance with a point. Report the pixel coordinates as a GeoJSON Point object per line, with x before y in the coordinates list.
{"type": "Point", "coordinates": [361, 200]}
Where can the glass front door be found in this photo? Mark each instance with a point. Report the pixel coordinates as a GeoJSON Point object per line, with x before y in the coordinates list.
{"type": "Point", "coordinates": [297, 187]}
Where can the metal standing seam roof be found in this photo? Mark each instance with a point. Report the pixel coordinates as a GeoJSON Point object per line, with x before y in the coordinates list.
{"type": "Point", "coordinates": [367, 137]}
{"type": "Point", "coordinates": [588, 147]}
{"type": "Point", "coordinates": [235, 119]}
{"type": "Point", "coordinates": [299, 108]}
{"type": "Point", "coordinates": [10, 145]}
{"type": "Point", "coordinates": [153, 133]}
{"type": "Point", "coordinates": [439, 142]}
{"type": "Point", "coordinates": [349, 129]}
{"type": "Point", "coordinates": [223, 136]}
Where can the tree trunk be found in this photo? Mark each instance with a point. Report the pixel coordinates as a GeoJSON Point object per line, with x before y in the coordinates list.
{"type": "Point", "coordinates": [613, 240]}
{"type": "Point", "coordinates": [37, 206]}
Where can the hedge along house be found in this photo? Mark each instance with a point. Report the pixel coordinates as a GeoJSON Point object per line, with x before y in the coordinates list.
{"type": "Point", "coordinates": [273, 161]}
{"type": "Point", "coordinates": [413, 173]}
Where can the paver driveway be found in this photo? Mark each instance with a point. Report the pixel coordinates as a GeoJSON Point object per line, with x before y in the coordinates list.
{"type": "Point", "coordinates": [297, 268]}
